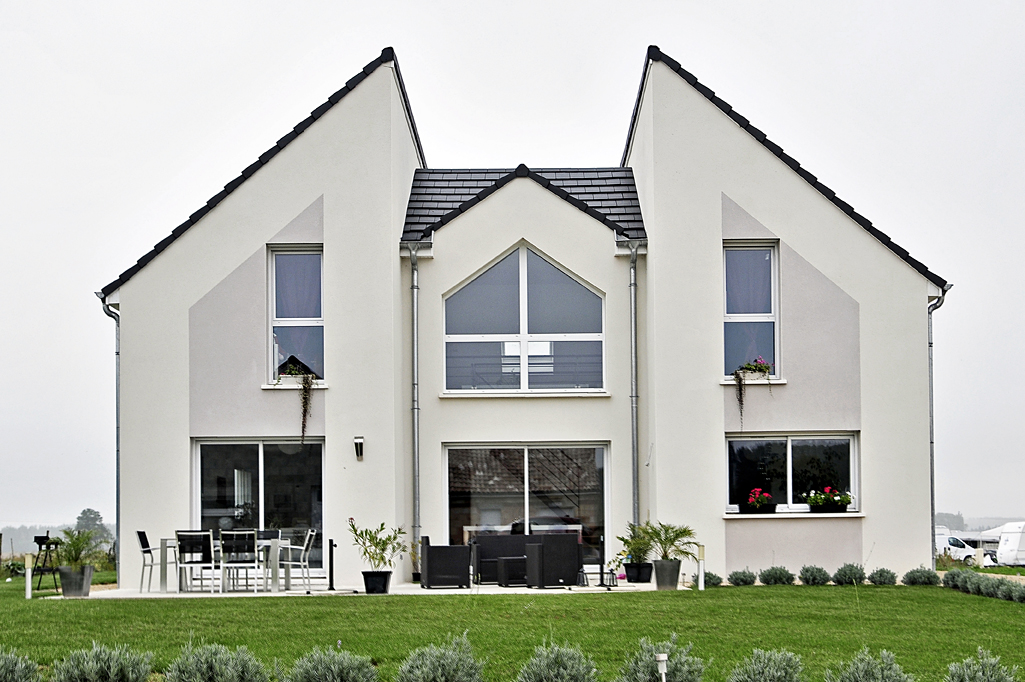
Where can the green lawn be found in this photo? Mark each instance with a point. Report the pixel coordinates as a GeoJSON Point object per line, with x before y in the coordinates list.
{"type": "Point", "coordinates": [926, 628]}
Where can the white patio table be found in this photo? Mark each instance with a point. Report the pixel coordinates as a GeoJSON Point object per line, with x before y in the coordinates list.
{"type": "Point", "coordinates": [274, 547]}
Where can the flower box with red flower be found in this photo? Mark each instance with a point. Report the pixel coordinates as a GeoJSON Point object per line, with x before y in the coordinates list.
{"type": "Point", "coordinates": [758, 502]}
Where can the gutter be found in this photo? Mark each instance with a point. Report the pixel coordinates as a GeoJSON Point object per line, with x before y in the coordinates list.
{"type": "Point", "coordinates": [109, 312]}
{"type": "Point", "coordinates": [934, 306]}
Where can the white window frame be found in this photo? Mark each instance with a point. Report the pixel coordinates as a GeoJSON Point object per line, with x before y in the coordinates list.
{"type": "Point", "coordinates": [276, 380]}
{"type": "Point", "coordinates": [196, 484]}
{"type": "Point", "coordinates": [751, 245]}
{"type": "Point", "coordinates": [789, 437]}
{"type": "Point", "coordinates": [523, 339]}
{"type": "Point", "coordinates": [526, 447]}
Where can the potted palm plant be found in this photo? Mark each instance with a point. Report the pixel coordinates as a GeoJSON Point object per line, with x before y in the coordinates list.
{"type": "Point", "coordinates": [379, 548]}
{"type": "Point", "coordinates": [77, 547]}
{"type": "Point", "coordinates": [634, 557]}
{"type": "Point", "coordinates": [670, 543]}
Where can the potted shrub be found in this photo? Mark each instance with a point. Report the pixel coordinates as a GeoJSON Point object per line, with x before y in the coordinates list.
{"type": "Point", "coordinates": [76, 548]}
{"type": "Point", "coordinates": [379, 549]}
{"type": "Point", "coordinates": [670, 543]}
{"type": "Point", "coordinates": [758, 502]}
{"type": "Point", "coordinates": [830, 500]}
{"type": "Point", "coordinates": [634, 557]}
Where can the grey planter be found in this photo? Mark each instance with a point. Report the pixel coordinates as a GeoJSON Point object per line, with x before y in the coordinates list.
{"type": "Point", "coordinates": [667, 574]}
{"type": "Point", "coordinates": [75, 582]}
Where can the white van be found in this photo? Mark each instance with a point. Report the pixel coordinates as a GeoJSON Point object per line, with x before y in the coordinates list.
{"type": "Point", "coordinates": [955, 547]}
{"type": "Point", "coordinates": [1011, 550]}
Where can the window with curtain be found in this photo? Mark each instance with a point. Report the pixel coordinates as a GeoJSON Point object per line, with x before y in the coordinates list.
{"type": "Point", "coordinates": [749, 327]}
{"type": "Point", "coordinates": [524, 312]}
{"type": "Point", "coordinates": [298, 320]}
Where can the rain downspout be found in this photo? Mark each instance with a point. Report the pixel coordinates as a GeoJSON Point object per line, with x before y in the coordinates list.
{"type": "Point", "coordinates": [935, 305]}
{"type": "Point", "coordinates": [414, 289]}
{"type": "Point", "coordinates": [109, 312]}
{"type": "Point", "coordinates": [634, 456]}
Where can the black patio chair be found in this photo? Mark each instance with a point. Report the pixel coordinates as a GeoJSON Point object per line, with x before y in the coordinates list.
{"type": "Point", "coordinates": [553, 560]}
{"type": "Point", "coordinates": [443, 566]}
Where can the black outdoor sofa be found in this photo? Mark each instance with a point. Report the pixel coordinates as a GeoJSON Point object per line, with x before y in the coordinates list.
{"type": "Point", "coordinates": [531, 560]}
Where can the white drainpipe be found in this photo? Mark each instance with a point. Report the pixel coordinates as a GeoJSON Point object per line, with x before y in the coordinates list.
{"type": "Point", "coordinates": [415, 292]}
{"type": "Point", "coordinates": [634, 244]}
{"type": "Point", "coordinates": [932, 431]}
{"type": "Point", "coordinates": [109, 312]}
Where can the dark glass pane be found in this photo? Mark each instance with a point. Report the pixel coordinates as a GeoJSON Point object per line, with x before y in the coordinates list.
{"type": "Point", "coordinates": [567, 495]}
{"type": "Point", "coordinates": [293, 493]}
{"type": "Point", "coordinates": [490, 304]}
{"type": "Point", "coordinates": [565, 364]}
{"type": "Point", "coordinates": [748, 281]}
{"type": "Point", "coordinates": [557, 303]}
{"type": "Point", "coordinates": [229, 481]}
{"type": "Point", "coordinates": [485, 492]}
{"type": "Point", "coordinates": [483, 365]}
{"type": "Point", "coordinates": [299, 350]}
{"type": "Point", "coordinates": [758, 464]}
{"type": "Point", "coordinates": [819, 463]}
{"type": "Point", "coordinates": [746, 341]}
{"type": "Point", "coordinates": [297, 285]}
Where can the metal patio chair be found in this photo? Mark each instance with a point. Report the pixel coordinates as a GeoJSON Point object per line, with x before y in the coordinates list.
{"type": "Point", "coordinates": [195, 551]}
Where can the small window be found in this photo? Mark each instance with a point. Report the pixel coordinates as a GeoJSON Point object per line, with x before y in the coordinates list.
{"type": "Point", "coordinates": [749, 328]}
{"type": "Point", "coordinates": [297, 318]}
{"type": "Point", "coordinates": [521, 312]}
{"type": "Point", "coordinates": [790, 467]}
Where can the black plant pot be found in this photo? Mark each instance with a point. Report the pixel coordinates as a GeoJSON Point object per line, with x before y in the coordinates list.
{"type": "Point", "coordinates": [75, 582]}
{"type": "Point", "coordinates": [746, 508]}
{"type": "Point", "coordinates": [638, 573]}
{"type": "Point", "coordinates": [828, 508]}
{"type": "Point", "coordinates": [376, 582]}
{"type": "Point", "coordinates": [667, 574]}
{"type": "Point", "coordinates": [416, 576]}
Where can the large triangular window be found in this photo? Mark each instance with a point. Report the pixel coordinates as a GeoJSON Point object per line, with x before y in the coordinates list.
{"type": "Point", "coordinates": [524, 311]}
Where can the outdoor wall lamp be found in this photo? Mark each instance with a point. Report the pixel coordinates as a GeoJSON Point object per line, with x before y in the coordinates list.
{"type": "Point", "coordinates": [357, 443]}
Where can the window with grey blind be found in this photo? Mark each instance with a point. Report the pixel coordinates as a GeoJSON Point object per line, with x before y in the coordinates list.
{"type": "Point", "coordinates": [749, 328]}
{"type": "Point", "coordinates": [297, 324]}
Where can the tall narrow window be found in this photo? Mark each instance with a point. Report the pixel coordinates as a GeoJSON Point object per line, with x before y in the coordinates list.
{"type": "Point", "coordinates": [524, 312]}
{"type": "Point", "coordinates": [297, 316]}
{"type": "Point", "coordinates": [751, 299]}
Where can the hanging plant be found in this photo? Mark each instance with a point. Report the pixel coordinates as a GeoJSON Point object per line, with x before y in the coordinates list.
{"type": "Point", "coordinates": [305, 401]}
{"type": "Point", "coordinates": [756, 366]}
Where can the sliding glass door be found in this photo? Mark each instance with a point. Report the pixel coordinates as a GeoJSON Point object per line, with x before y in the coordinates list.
{"type": "Point", "coordinates": [265, 486]}
{"type": "Point", "coordinates": [491, 491]}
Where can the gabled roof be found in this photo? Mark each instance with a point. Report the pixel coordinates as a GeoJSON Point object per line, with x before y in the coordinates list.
{"type": "Point", "coordinates": [656, 55]}
{"type": "Point", "coordinates": [387, 55]}
{"type": "Point", "coordinates": [608, 195]}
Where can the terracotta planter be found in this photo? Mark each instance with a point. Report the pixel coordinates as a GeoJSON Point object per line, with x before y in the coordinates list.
{"type": "Point", "coordinates": [828, 508]}
{"type": "Point", "coordinates": [667, 574]}
{"type": "Point", "coordinates": [75, 582]}
{"type": "Point", "coordinates": [638, 573]}
{"type": "Point", "coordinates": [746, 508]}
{"type": "Point", "coordinates": [376, 582]}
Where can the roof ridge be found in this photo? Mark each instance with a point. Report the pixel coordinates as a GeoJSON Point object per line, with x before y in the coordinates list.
{"type": "Point", "coordinates": [387, 55]}
{"type": "Point", "coordinates": [654, 54]}
{"type": "Point", "coordinates": [521, 171]}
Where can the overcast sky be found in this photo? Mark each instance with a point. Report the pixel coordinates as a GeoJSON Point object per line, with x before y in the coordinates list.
{"type": "Point", "coordinates": [118, 120]}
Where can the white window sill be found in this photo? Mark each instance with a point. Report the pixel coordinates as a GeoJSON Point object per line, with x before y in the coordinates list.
{"type": "Point", "coordinates": [732, 516]}
{"type": "Point", "coordinates": [525, 394]}
{"type": "Point", "coordinates": [728, 381]}
{"type": "Point", "coordinates": [292, 386]}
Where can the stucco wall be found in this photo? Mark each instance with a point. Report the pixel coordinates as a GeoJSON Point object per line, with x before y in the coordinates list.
{"type": "Point", "coordinates": [830, 267]}
{"type": "Point", "coordinates": [349, 161]}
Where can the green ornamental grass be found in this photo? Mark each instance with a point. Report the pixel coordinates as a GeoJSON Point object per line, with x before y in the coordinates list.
{"type": "Point", "coordinates": [216, 663]}
{"type": "Point", "coordinates": [452, 662]}
{"type": "Point", "coordinates": [769, 666]}
{"type": "Point", "coordinates": [103, 664]}
{"type": "Point", "coordinates": [985, 667]}
{"type": "Point", "coordinates": [330, 665]}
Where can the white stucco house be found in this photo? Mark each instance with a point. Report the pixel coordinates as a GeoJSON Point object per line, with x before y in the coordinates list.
{"type": "Point", "coordinates": [512, 349]}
